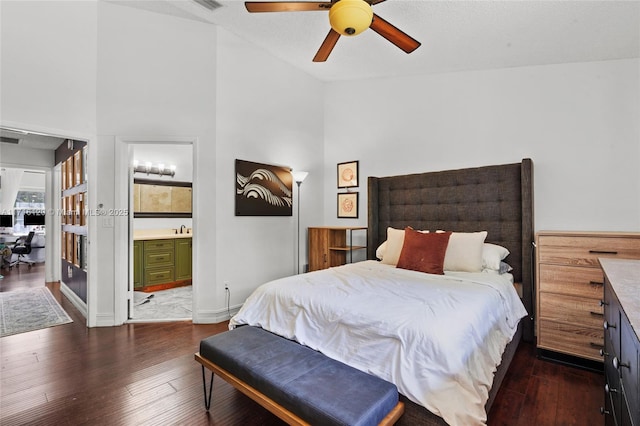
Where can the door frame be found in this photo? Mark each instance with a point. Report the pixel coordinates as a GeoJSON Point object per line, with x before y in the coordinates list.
{"type": "Point", "coordinates": [123, 255]}
{"type": "Point", "coordinates": [53, 229]}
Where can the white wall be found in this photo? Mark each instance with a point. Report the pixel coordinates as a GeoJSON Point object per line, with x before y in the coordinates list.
{"type": "Point", "coordinates": [180, 156]}
{"type": "Point", "coordinates": [48, 83]}
{"type": "Point", "coordinates": [578, 122]}
{"type": "Point", "coordinates": [269, 113]}
{"type": "Point", "coordinates": [96, 68]}
{"type": "Point", "coordinates": [40, 90]}
{"type": "Point", "coordinates": [48, 73]}
{"type": "Point", "coordinates": [156, 79]}
{"type": "Point", "coordinates": [164, 76]}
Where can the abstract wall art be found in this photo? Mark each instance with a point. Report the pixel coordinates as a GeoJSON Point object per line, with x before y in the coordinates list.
{"type": "Point", "coordinates": [263, 189]}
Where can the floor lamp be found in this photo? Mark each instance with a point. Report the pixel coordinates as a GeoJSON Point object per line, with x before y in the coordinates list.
{"type": "Point", "coordinates": [298, 177]}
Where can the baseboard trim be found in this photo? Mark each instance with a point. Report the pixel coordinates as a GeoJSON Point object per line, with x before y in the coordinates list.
{"type": "Point", "coordinates": [106, 320]}
{"type": "Point", "coordinates": [215, 316]}
{"type": "Point", "coordinates": [74, 299]}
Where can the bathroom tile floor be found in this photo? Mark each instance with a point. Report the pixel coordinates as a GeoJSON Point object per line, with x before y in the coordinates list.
{"type": "Point", "coordinates": [171, 304]}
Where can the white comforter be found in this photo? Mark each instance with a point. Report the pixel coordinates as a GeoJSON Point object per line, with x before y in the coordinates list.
{"type": "Point", "coordinates": [438, 338]}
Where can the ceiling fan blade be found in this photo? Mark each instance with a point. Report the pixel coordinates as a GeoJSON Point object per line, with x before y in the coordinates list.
{"type": "Point", "coordinates": [327, 46]}
{"type": "Point", "coordinates": [286, 6]}
{"type": "Point", "coordinates": [372, 2]}
{"type": "Point", "coordinates": [394, 35]}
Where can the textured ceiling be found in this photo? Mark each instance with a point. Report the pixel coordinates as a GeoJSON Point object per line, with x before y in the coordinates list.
{"type": "Point", "coordinates": [455, 35]}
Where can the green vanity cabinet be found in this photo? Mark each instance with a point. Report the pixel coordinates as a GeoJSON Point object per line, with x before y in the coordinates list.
{"type": "Point", "coordinates": [161, 262]}
{"type": "Point", "coordinates": [137, 265]}
{"type": "Point", "coordinates": [183, 258]}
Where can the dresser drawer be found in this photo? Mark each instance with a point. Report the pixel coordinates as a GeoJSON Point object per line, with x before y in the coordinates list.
{"type": "Point", "coordinates": [159, 258]}
{"type": "Point", "coordinates": [572, 280]}
{"type": "Point", "coordinates": [572, 309]}
{"type": "Point", "coordinates": [585, 250]}
{"type": "Point", "coordinates": [578, 340]}
{"type": "Point", "coordinates": [159, 276]}
{"type": "Point", "coordinates": [153, 245]}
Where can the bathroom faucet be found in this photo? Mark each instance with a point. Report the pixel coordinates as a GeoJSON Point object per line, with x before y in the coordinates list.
{"type": "Point", "coordinates": [182, 227]}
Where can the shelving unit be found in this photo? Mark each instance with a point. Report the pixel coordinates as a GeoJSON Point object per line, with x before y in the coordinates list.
{"type": "Point", "coordinates": [72, 157]}
{"type": "Point", "coordinates": [332, 245]}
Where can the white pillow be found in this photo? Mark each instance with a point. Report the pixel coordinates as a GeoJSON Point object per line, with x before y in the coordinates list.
{"type": "Point", "coordinates": [392, 247]}
{"type": "Point", "coordinates": [380, 251]}
{"type": "Point", "coordinates": [464, 252]}
{"type": "Point", "coordinates": [492, 255]}
{"type": "Point", "coordinates": [395, 240]}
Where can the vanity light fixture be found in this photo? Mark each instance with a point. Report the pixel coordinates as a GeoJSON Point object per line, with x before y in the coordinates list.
{"type": "Point", "coordinates": [148, 168]}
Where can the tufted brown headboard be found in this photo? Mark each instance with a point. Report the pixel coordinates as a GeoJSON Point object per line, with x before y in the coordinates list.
{"type": "Point", "coordinates": [498, 199]}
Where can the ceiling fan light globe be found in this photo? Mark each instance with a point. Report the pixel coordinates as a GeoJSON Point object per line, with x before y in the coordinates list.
{"type": "Point", "coordinates": [350, 17]}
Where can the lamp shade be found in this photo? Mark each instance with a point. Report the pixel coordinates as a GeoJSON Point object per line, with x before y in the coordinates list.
{"type": "Point", "coordinates": [298, 176]}
{"type": "Point", "coordinates": [350, 17]}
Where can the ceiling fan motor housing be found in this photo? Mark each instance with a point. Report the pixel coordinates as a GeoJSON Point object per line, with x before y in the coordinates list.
{"type": "Point", "coordinates": [350, 17]}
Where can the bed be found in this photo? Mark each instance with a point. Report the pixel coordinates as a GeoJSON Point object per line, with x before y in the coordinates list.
{"type": "Point", "coordinates": [404, 325]}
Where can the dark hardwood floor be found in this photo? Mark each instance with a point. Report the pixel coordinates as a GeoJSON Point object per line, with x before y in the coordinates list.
{"type": "Point", "coordinates": [540, 392]}
{"type": "Point", "coordinates": [22, 277]}
{"type": "Point", "coordinates": [145, 374]}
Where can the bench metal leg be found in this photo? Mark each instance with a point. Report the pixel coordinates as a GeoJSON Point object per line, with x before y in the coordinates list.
{"type": "Point", "coordinates": [207, 400]}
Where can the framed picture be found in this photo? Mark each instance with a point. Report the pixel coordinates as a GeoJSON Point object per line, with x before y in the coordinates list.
{"type": "Point", "coordinates": [348, 205]}
{"type": "Point", "coordinates": [263, 189]}
{"type": "Point", "coordinates": [348, 174]}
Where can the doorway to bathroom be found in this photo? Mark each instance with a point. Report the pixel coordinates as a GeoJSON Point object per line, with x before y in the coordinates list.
{"type": "Point", "coordinates": [161, 227]}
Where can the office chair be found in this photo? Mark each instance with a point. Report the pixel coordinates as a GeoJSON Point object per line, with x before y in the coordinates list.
{"type": "Point", "coordinates": [22, 247]}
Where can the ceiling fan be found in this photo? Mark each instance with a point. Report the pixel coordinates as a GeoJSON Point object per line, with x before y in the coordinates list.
{"type": "Point", "coordinates": [346, 17]}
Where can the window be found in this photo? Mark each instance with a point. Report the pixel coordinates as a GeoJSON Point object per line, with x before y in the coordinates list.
{"type": "Point", "coordinates": [26, 201]}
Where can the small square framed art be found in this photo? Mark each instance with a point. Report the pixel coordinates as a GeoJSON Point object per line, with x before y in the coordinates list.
{"type": "Point", "coordinates": [348, 205]}
{"type": "Point", "coordinates": [348, 174]}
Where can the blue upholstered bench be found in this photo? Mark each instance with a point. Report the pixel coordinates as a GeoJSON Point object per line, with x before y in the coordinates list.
{"type": "Point", "coordinates": [299, 385]}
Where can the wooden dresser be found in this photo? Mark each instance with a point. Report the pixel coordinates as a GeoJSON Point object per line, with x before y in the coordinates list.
{"type": "Point", "coordinates": [569, 288]}
{"type": "Point", "coordinates": [622, 346]}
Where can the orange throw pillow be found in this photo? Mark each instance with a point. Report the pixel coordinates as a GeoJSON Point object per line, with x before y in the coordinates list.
{"type": "Point", "coordinates": [424, 252]}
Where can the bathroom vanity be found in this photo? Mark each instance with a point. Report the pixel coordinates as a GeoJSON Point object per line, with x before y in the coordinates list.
{"type": "Point", "coordinates": [161, 259]}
